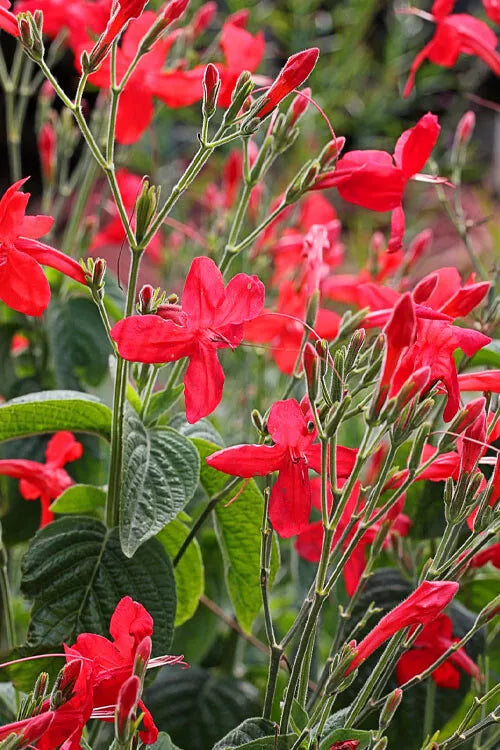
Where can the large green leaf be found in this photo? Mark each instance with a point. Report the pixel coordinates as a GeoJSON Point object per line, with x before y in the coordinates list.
{"type": "Point", "coordinates": [80, 499]}
{"type": "Point", "coordinates": [344, 735]}
{"type": "Point", "coordinates": [238, 529]}
{"type": "Point", "coordinates": [50, 411]}
{"type": "Point", "coordinates": [79, 344]}
{"type": "Point", "coordinates": [161, 469]}
{"type": "Point", "coordinates": [164, 743]}
{"type": "Point", "coordinates": [196, 707]}
{"type": "Point", "coordinates": [76, 573]}
{"type": "Point", "coordinates": [248, 731]}
{"type": "Point", "coordinates": [189, 574]}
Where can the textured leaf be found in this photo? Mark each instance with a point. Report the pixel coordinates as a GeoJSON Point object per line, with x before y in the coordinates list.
{"type": "Point", "coordinates": [189, 574]}
{"type": "Point", "coordinates": [164, 743]}
{"type": "Point", "coordinates": [81, 498]}
{"type": "Point", "coordinates": [197, 708]}
{"type": "Point", "coordinates": [238, 529]}
{"type": "Point", "coordinates": [202, 429]}
{"type": "Point", "coordinates": [161, 401]}
{"type": "Point", "coordinates": [79, 344]}
{"type": "Point", "coordinates": [298, 717]}
{"type": "Point", "coordinates": [50, 411]}
{"type": "Point", "coordinates": [248, 730]}
{"type": "Point", "coordinates": [76, 573]}
{"type": "Point", "coordinates": [161, 469]}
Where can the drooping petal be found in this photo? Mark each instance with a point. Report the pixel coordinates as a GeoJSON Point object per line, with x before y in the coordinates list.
{"type": "Point", "coordinates": [290, 501]}
{"type": "Point", "coordinates": [23, 285]}
{"type": "Point", "coordinates": [203, 382]}
{"type": "Point", "coordinates": [62, 448]}
{"type": "Point", "coordinates": [130, 624]}
{"type": "Point", "coordinates": [489, 380]}
{"type": "Point", "coordinates": [49, 256]}
{"type": "Point", "coordinates": [310, 541]}
{"type": "Point", "coordinates": [415, 145]}
{"type": "Point", "coordinates": [179, 88]}
{"type": "Point", "coordinates": [149, 338]}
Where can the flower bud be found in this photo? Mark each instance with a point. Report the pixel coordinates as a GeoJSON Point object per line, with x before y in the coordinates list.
{"type": "Point", "coordinates": [337, 388]}
{"type": "Point", "coordinates": [211, 87]}
{"type": "Point", "coordinates": [47, 148]}
{"type": "Point", "coordinates": [354, 348]}
{"type": "Point", "coordinates": [172, 12]}
{"type": "Point", "coordinates": [142, 657]}
{"type": "Point", "coordinates": [331, 152]}
{"type": "Point", "coordinates": [62, 690]}
{"type": "Point", "coordinates": [258, 421]}
{"type": "Point", "coordinates": [298, 107]}
{"type": "Point", "coordinates": [241, 92]}
{"type": "Point", "coordinates": [488, 612]}
{"type": "Point", "coordinates": [465, 128]}
{"type": "Point", "coordinates": [128, 698]}
{"type": "Point", "coordinates": [30, 31]}
{"type": "Point", "coordinates": [473, 444]}
{"type": "Point", "coordinates": [295, 71]}
{"type": "Point", "coordinates": [312, 369]}
{"type": "Point", "coordinates": [150, 300]}
{"type": "Point", "coordinates": [203, 18]}
{"type": "Point", "coordinates": [145, 208]}
{"type": "Point", "coordinates": [390, 707]}
{"type": "Point", "coordinates": [418, 445]}
{"type": "Point", "coordinates": [41, 685]}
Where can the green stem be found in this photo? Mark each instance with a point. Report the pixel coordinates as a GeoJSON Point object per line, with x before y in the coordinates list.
{"type": "Point", "coordinates": [119, 405]}
{"type": "Point", "coordinates": [78, 209]}
{"type": "Point", "coordinates": [212, 504]}
{"type": "Point", "coordinates": [430, 703]}
{"type": "Point", "coordinates": [6, 601]}
{"type": "Point", "coordinates": [148, 391]}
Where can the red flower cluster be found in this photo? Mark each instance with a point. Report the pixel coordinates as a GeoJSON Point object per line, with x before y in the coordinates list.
{"type": "Point", "coordinates": [95, 677]}
{"type": "Point", "coordinates": [23, 285]}
{"type": "Point", "coordinates": [211, 317]}
{"type": "Point", "coordinates": [45, 481]}
{"type": "Point", "coordinates": [8, 21]}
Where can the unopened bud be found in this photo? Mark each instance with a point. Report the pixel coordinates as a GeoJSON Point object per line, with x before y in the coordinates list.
{"type": "Point", "coordinates": [30, 31]}
{"type": "Point", "coordinates": [353, 349]}
{"type": "Point", "coordinates": [418, 445]}
{"type": "Point", "coordinates": [337, 415]}
{"type": "Point", "coordinates": [258, 421]}
{"type": "Point", "coordinates": [203, 18]}
{"type": "Point", "coordinates": [337, 389]}
{"type": "Point", "coordinates": [142, 657]}
{"type": "Point", "coordinates": [381, 744]}
{"type": "Point", "coordinates": [150, 300]}
{"type": "Point", "coordinates": [211, 87]}
{"type": "Point", "coordinates": [488, 612]}
{"type": "Point", "coordinates": [298, 107]}
{"type": "Point", "coordinates": [312, 368]}
{"type": "Point", "coordinates": [146, 206]}
{"type": "Point", "coordinates": [128, 698]}
{"type": "Point", "coordinates": [337, 680]}
{"type": "Point", "coordinates": [62, 690]}
{"type": "Point", "coordinates": [41, 685]}
{"type": "Point", "coordinates": [241, 92]}
{"type": "Point", "coordinates": [331, 152]}
{"type": "Point", "coordinates": [465, 128]}
{"type": "Point", "coordinates": [390, 707]}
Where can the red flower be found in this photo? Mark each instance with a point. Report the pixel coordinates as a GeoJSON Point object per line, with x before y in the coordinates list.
{"type": "Point", "coordinates": [113, 232]}
{"type": "Point", "coordinates": [296, 70]}
{"type": "Point", "coordinates": [345, 745]}
{"type": "Point", "coordinates": [23, 285]}
{"type": "Point", "coordinates": [28, 730]}
{"type": "Point", "coordinates": [455, 34]}
{"type": "Point", "coordinates": [284, 329]}
{"type": "Point", "coordinates": [420, 608]}
{"type": "Point", "coordinates": [430, 644]}
{"type": "Point", "coordinates": [45, 481]}
{"type": "Point", "coordinates": [47, 147]}
{"type": "Point", "coordinates": [492, 9]}
{"type": "Point", "coordinates": [376, 179]}
{"type": "Point", "coordinates": [70, 718]}
{"type": "Point", "coordinates": [310, 541]}
{"type": "Point", "coordinates": [8, 21]}
{"type": "Point", "coordinates": [124, 12]}
{"type": "Point", "coordinates": [211, 317]}
{"type": "Point", "coordinates": [292, 455]}
{"type": "Point", "coordinates": [242, 51]}
{"type": "Point", "coordinates": [113, 661]}
{"type": "Point", "coordinates": [82, 19]}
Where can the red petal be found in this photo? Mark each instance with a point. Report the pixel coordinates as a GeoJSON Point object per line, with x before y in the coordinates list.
{"type": "Point", "coordinates": [247, 460]}
{"type": "Point", "coordinates": [34, 227]}
{"type": "Point", "coordinates": [62, 448]}
{"type": "Point", "coordinates": [244, 300]}
{"type": "Point", "coordinates": [286, 423]}
{"type": "Point", "coordinates": [49, 256]}
{"type": "Point", "coordinates": [203, 292]}
{"type": "Point", "coordinates": [242, 50]}
{"type": "Point", "coordinates": [149, 338]}
{"type": "Point", "coordinates": [310, 541]}
{"type": "Point", "coordinates": [290, 501]}
{"type": "Point", "coordinates": [179, 88]}
{"type": "Point", "coordinates": [135, 112]}
{"type": "Point", "coordinates": [203, 383]}
{"type": "Point", "coordinates": [130, 624]}
{"type": "Point", "coordinates": [415, 145]}
{"type": "Point", "coordinates": [23, 285]}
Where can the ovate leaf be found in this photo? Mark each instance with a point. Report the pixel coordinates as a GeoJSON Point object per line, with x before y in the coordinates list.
{"type": "Point", "coordinates": [161, 469]}
{"type": "Point", "coordinates": [247, 731]}
{"type": "Point", "coordinates": [189, 574]}
{"type": "Point", "coordinates": [238, 527]}
{"type": "Point", "coordinates": [344, 735]}
{"type": "Point", "coordinates": [75, 573]}
{"type": "Point", "coordinates": [50, 411]}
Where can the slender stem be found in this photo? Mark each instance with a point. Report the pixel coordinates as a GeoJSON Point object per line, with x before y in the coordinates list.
{"type": "Point", "coordinates": [253, 235]}
{"type": "Point", "coordinates": [231, 484]}
{"type": "Point", "coordinates": [119, 404]}
{"type": "Point", "coordinates": [239, 216]}
{"type": "Point", "coordinates": [78, 209]}
{"type": "Point", "coordinates": [148, 391]}
{"type": "Point", "coordinates": [275, 650]}
{"type": "Point", "coordinates": [6, 601]}
{"type": "Point", "coordinates": [430, 703]}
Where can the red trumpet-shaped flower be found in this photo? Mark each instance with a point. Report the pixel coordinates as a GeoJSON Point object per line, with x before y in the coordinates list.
{"type": "Point", "coordinates": [112, 662]}
{"type": "Point", "coordinates": [212, 317]}
{"type": "Point", "coordinates": [376, 179]}
{"type": "Point", "coordinates": [125, 11]}
{"type": "Point", "coordinates": [284, 328]}
{"type": "Point", "coordinates": [420, 608]}
{"type": "Point", "coordinates": [296, 70]}
{"type": "Point", "coordinates": [492, 9]}
{"type": "Point", "coordinates": [309, 543]}
{"type": "Point", "coordinates": [433, 641]}
{"type": "Point", "coordinates": [8, 21]}
{"type": "Point", "coordinates": [490, 554]}
{"type": "Point", "coordinates": [292, 455]}
{"type": "Point", "coordinates": [456, 33]}
{"type": "Point", "coordinates": [487, 381]}
{"type": "Point", "coordinates": [45, 481]}
{"type": "Point", "coordinates": [23, 285]}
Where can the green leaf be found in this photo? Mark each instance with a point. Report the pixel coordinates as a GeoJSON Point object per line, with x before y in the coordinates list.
{"type": "Point", "coordinates": [238, 528]}
{"type": "Point", "coordinates": [189, 574]}
{"type": "Point", "coordinates": [161, 401]}
{"type": "Point", "coordinates": [50, 411]}
{"type": "Point", "coordinates": [343, 735]}
{"type": "Point", "coordinates": [299, 717]}
{"type": "Point", "coordinates": [75, 573]}
{"type": "Point", "coordinates": [160, 477]}
{"type": "Point", "coordinates": [281, 742]}
{"type": "Point", "coordinates": [79, 344]}
{"type": "Point", "coordinates": [164, 743]}
{"type": "Point", "coordinates": [247, 731]}
{"type": "Point", "coordinates": [202, 429]}
{"type": "Point", "coordinates": [489, 357]}
{"type": "Point", "coordinates": [196, 707]}
{"type": "Point", "coordinates": [80, 498]}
